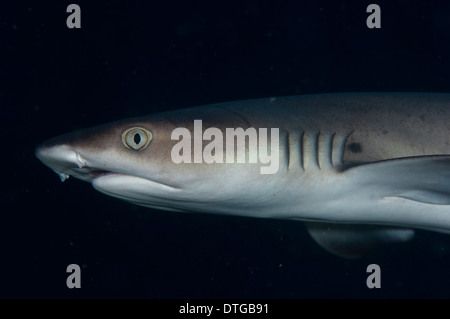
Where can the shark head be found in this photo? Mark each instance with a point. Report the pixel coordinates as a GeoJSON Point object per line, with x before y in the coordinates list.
{"type": "Point", "coordinates": [122, 159]}
{"type": "Point", "coordinates": [134, 160]}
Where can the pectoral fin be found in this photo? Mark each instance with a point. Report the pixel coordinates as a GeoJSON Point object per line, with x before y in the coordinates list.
{"type": "Point", "coordinates": [424, 179]}
{"type": "Point", "coordinates": [353, 241]}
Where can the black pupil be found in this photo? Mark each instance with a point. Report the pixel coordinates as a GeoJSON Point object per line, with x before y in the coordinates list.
{"type": "Point", "coordinates": [137, 138]}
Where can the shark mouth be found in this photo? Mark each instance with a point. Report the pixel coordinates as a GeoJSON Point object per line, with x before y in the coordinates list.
{"type": "Point", "coordinates": [100, 172]}
{"type": "Point", "coordinates": [66, 162]}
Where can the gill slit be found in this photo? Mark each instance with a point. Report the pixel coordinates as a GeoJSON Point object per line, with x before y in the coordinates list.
{"type": "Point", "coordinates": [332, 149]}
{"type": "Point", "coordinates": [317, 150]}
{"type": "Point", "coordinates": [302, 150]}
{"type": "Point", "coordinates": [288, 150]}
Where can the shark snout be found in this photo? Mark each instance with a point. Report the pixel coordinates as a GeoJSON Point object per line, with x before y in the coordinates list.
{"type": "Point", "coordinates": [62, 159]}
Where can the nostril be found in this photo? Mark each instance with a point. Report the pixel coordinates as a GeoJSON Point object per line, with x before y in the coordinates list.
{"type": "Point", "coordinates": [80, 161]}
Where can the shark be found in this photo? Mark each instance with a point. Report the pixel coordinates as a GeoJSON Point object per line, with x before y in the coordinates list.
{"type": "Point", "coordinates": [358, 169]}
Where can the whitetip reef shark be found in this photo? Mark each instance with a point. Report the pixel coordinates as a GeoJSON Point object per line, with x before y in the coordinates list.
{"type": "Point", "coordinates": [360, 169]}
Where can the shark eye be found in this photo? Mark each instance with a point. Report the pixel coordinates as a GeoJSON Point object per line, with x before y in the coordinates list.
{"type": "Point", "coordinates": [136, 138]}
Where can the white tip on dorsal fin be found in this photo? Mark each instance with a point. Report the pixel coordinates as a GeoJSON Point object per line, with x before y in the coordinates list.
{"type": "Point", "coordinates": [352, 240]}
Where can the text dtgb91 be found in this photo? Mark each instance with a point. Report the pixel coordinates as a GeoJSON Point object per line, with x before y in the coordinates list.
{"type": "Point", "coordinates": [235, 308]}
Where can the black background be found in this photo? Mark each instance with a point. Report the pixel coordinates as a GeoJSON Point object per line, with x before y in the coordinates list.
{"type": "Point", "coordinates": [136, 57]}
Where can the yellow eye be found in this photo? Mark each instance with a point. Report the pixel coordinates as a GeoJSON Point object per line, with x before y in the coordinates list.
{"type": "Point", "coordinates": [136, 138]}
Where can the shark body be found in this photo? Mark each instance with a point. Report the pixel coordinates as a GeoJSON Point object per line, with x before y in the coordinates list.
{"type": "Point", "coordinates": [359, 168]}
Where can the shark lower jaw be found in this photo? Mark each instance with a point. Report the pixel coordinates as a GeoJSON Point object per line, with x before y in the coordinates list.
{"type": "Point", "coordinates": [120, 181]}
{"type": "Point", "coordinates": [115, 182]}
{"type": "Point", "coordinates": [137, 190]}
{"type": "Point", "coordinates": [90, 174]}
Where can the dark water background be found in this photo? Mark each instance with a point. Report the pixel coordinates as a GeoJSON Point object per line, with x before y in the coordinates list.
{"type": "Point", "coordinates": [136, 57]}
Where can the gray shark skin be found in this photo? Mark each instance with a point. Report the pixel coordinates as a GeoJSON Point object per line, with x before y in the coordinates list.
{"type": "Point", "coordinates": [359, 169]}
